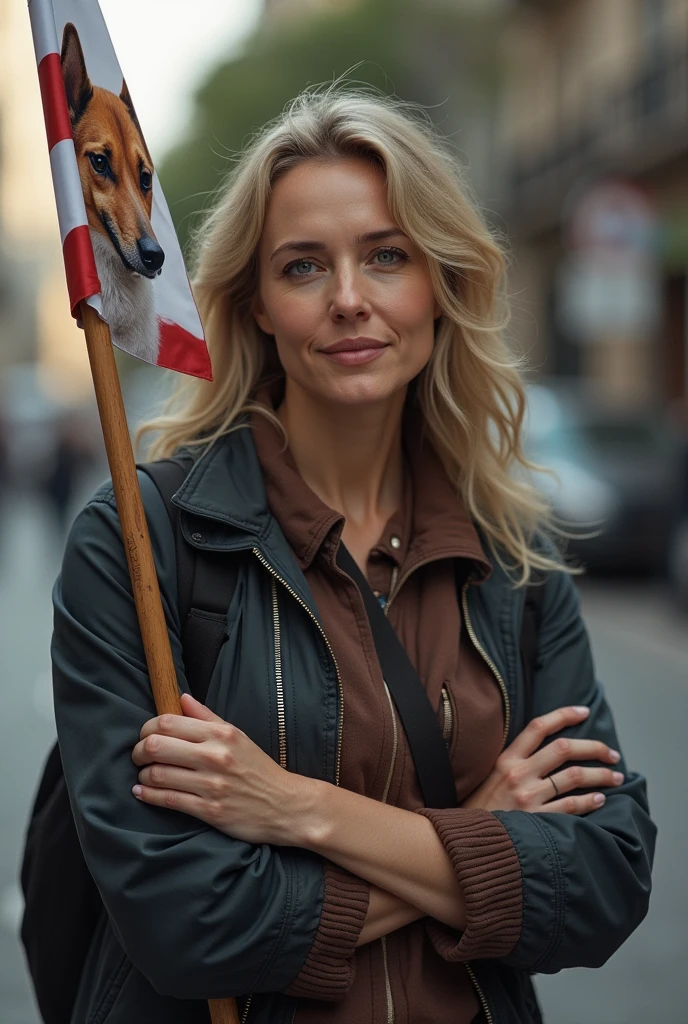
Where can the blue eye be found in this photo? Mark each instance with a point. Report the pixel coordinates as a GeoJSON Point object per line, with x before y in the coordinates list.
{"type": "Point", "coordinates": [298, 266]}
{"type": "Point", "coordinates": [389, 256]}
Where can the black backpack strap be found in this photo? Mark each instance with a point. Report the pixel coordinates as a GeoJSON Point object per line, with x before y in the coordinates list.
{"type": "Point", "coordinates": [206, 581]}
{"type": "Point", "coordinates": [428, 749]}
{"type": "Point", "coordinates": [530, 627]}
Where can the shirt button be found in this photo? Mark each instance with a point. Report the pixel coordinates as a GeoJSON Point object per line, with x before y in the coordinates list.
{"type": "Point", "coordinates": [395, 541]}
{"type": "Point", "coordinates": [196, 536]}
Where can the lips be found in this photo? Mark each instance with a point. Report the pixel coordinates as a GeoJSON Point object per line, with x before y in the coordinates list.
{"type": "Point", "coordinates": [354, 352]}
{"type": "Point", "coordinates": [353, 345]}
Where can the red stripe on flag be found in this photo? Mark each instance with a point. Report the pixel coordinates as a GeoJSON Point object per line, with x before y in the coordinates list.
{"type": "Point", "coordinates": [55, 109]}
{"type": "Point", "coordinates": [180, 350]}
{"type": "Point", "coordinates": [80, 266]}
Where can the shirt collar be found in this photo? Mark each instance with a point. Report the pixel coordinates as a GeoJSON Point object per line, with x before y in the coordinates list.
{"type": "Point", "coordinates": [432, 522]}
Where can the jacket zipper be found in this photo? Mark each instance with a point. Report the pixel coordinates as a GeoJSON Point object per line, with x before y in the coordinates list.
{"type": "Point", "coordinates": [281, 716]}
{"type": "Point", "coordinates": [279, 682]}
{"type": "Point", "coordinates": [388, 983]}
{"type": "Point", "coordinates": [395, 743]}
{"type": "Point", "coordinates": [481, 995]}
{"type": "Point", "coordinates": [507, 722]}
{"type": "Point", "coordinates": [488, 661]}
{"type": "Point", "coordinates": [244, 1016]}
{"type": "Point", "coordinates": [447, 716]}
{"type": "Point", "coordinates": [397, 583]}
{"type": "Point", "coordinates": [273, 572]}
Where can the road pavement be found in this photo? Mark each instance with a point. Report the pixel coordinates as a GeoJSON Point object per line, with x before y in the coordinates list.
{"type": "Point", "coordinates": [641, 650]}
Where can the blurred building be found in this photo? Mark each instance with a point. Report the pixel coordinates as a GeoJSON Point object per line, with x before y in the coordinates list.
{"type": "Point", "coordinates": [35, 324]}
{"type": "Point", "coordinates": [16, 319]}
{"type": "Point", "coordinates": [597, 92]}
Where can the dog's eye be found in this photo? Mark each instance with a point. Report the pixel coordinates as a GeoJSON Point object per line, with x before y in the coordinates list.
{"type": "Point", "coordinates": [146, 180]}
{"type": "Point", "coordinates": [99, 163]}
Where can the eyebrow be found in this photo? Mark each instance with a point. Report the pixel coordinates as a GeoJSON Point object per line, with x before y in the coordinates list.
{"type": "Point", "coordinates": [313, 246]}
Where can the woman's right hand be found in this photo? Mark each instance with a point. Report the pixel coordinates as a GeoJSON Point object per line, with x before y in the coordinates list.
{"type": "Point", "coordinates": [523, 775]}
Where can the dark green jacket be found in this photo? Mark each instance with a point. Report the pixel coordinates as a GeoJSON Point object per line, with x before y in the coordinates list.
{"type": "Point", "coordinates": [194, 914]}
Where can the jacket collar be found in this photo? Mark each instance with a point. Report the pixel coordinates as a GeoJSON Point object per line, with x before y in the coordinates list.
{"type": "Point", "coordinates": [225, 509]}
{"type": "Point", "coordinates": [226, 486]}
{"type": "Point", "coordinates": [433, 522]}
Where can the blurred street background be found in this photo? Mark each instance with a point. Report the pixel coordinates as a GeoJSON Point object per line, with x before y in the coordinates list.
{"type": "Point", "coordinates": [571, 120]}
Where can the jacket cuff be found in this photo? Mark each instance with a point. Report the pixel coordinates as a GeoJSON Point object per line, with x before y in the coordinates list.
{"type": "Point", "coordinates": [489, 874]}
{"type": "Point", "coordinates": [328, 972]}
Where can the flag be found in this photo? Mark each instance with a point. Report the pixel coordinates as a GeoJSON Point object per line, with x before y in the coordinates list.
{"type": "Point", "coordinates": [120, 249]}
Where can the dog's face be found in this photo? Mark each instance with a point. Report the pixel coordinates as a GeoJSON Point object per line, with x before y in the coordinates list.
{"type": "Point", "coordinates": [114, 164]}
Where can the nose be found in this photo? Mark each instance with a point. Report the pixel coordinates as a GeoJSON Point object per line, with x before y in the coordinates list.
{"type": "Point", "coordinates": [152, 256]}
{"type": "Point", "coordinates": [349, 301]}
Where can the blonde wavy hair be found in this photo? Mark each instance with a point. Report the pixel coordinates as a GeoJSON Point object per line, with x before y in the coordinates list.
{"type": "Point", "coordinates": [471, 393]}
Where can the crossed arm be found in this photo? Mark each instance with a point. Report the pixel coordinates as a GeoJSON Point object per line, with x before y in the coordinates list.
{"type": "Point", "coordinates": [201, 765]}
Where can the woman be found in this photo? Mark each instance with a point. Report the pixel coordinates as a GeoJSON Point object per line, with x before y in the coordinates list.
{"type": "Point", "coordinates": [275, 845]}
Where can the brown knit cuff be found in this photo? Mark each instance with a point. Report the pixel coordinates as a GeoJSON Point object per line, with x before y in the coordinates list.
{"type": "Point", "coordinates": [489, 873]}
{"type": "Point", "coordinates": [329, 968]}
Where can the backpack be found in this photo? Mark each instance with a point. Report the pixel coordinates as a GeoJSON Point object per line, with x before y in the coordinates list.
{"type": "Point", "coordinates": [62, 903]}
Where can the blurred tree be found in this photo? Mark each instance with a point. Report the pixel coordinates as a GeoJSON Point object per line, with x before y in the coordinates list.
{"type": "Point", "coordinates": [440, 53]}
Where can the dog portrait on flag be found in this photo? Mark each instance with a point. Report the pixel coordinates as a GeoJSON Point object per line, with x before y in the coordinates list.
{"type": "Point", "coordinates": [116, 174]}
{"type": "Point", "coordinates": [120, 248]}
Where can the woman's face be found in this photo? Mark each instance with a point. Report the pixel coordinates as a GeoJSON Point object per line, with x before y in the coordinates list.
{"type": "Point", "coordinates": [345, 293]}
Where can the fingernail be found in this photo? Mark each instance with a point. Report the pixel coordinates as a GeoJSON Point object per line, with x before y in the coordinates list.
{"type": "Point", "coordinates": [137, 790]}
{"type": "Point", "coordinates": [615, 755]}
{"type": "Point", "coordinates": [618, 778]}
{"type": "Point", "coordinates": [599, 799]}
{"type": "Point", "coordinates": [582, 711]}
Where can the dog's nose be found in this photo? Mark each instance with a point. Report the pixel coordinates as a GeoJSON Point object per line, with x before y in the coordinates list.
{"type": "Point", "coordinates": [150, 252]}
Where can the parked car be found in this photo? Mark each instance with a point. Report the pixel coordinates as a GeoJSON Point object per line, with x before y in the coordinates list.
{"type": "Point", "coordinates": [616, 477]}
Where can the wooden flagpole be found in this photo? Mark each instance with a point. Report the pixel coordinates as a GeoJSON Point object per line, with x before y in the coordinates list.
{"type": "Point", "coordinates": [137, 544]}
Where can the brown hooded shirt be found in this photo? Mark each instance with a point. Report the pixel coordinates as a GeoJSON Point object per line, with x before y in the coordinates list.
{"type": "Point", "coordinates": [417, 973]}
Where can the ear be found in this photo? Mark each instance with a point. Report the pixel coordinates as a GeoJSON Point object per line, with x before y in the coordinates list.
{"type": "Point", "coordinates": [77, 84]}
{"type": "Point", "coordinates": [261, 317]}
{"type": "Point", "coordinates": [128, 103]}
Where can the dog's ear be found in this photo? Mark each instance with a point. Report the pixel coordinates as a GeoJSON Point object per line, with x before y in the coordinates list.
{"type": "Point", "coordinates": [76, 81]}
{"type": "Point", "coordinates": [128, 103]}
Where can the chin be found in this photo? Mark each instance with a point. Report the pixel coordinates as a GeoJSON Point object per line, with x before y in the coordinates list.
{"type": "Point", "coordinates": [361, 391]}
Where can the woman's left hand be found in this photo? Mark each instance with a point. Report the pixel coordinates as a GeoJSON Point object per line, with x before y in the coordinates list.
{"type": "Point", "coordinates": [201, 765]}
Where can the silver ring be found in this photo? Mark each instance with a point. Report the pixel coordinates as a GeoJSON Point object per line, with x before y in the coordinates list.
{"type": "Point", "coordinates": [556, 788]}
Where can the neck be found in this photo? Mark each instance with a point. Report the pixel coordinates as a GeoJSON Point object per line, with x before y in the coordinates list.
{"type": "Point", "coordinates": [350, 456]}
